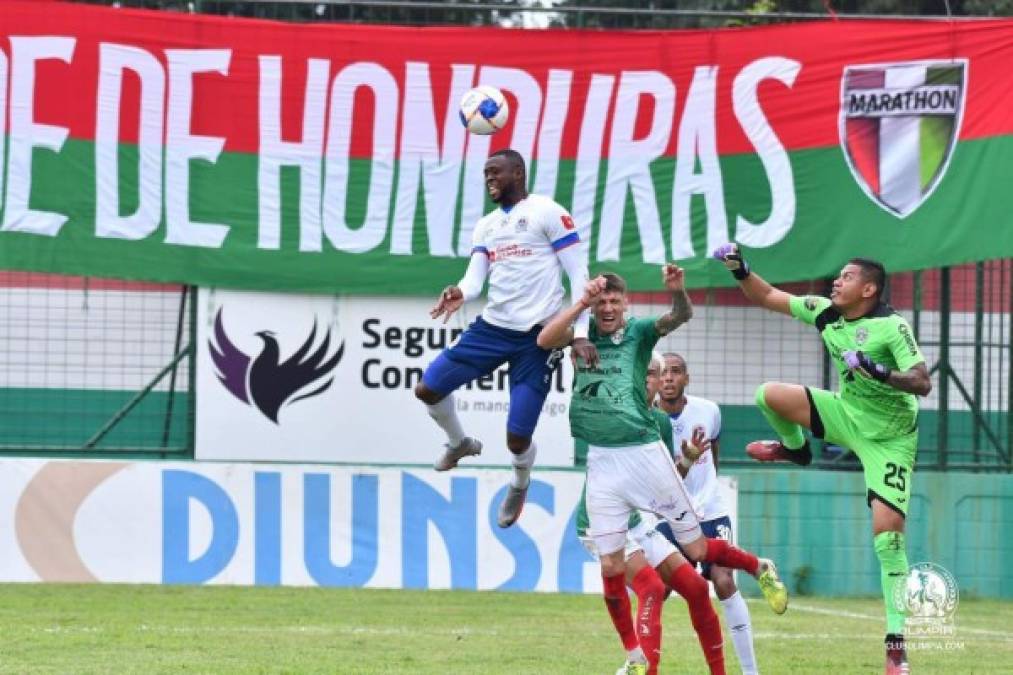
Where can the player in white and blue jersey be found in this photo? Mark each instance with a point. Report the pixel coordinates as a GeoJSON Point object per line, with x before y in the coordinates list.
{"type": "Point", "coordinates": [688, 416]}
{"type": "Point", "coordinates": [523, 247]}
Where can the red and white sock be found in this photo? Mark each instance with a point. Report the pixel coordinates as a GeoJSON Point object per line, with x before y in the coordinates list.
{"type": "Point", "coordinates": [691, 586]}
{"type": "Point", "coordinates": [720, 552]}
{"type": "Point", "coordinates": [617, 601]}
{"type": "Point", "coordinates": [650, 590]}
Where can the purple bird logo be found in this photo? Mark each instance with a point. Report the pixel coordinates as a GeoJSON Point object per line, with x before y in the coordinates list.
{"type": "Point", "coordinates": [266, 382]}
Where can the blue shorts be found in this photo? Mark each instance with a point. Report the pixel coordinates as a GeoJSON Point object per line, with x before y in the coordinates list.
{"type": "Point", "coordinates": [719, 528]}
{"type": "Point", "coordinates": [482, 349]}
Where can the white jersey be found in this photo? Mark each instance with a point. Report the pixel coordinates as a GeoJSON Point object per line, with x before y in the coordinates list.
{"type": "Point", "coordinates": [702, 478]}
{"type": "Point", "coordinates": [525, 276]}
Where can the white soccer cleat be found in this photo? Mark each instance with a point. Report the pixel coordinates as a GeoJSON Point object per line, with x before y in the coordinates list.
{"type": "Point", "coordinates": [468, 447]}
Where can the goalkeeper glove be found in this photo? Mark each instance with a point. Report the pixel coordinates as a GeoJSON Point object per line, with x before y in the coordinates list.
{"type": "Point", "coordinates": [859, 361]}
{"type": "Point", "coordinates": [729, 254]}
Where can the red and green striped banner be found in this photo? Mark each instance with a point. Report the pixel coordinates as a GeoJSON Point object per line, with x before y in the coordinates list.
{"type": "Point", "coordinates": [330, 158]}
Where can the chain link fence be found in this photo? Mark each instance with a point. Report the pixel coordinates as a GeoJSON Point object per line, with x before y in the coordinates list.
{"type": "Point", "coordinates": [101, 367]}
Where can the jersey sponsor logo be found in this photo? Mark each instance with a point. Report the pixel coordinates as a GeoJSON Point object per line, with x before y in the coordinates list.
{"type": "Point", "coordinates": [504, 251]}
{"type": "Point", "coordinates": [599, 389]}
{"type": "Point", "coordinates": [909, 340]}
{"type": "Point", "coordinates": [861, 335]}
{"type": "Point", "coordinates": [898, 125]}
{"type": "Point", "coordinates": [567, 222]}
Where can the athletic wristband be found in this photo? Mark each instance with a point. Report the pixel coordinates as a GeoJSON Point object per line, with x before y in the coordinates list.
{"type": "Point", "coordinates": [731, 257]}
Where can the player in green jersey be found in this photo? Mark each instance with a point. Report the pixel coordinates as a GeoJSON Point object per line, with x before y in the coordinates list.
{"type": "Point", "coordinates": [874, 414]}
{"type": "Point", "coordinates": [653, 562]}
{"type": "Point", "coordinates": [627, 466]}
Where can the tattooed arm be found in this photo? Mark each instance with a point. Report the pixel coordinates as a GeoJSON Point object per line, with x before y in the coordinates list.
{"type": "Point", "coordinates": [682, 308]}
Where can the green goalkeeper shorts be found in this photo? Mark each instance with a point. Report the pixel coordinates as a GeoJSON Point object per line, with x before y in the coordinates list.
{"type": "Point", "coordinates": [887, 463]}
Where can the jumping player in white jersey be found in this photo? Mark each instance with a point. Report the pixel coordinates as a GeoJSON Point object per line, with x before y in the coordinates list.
{"type": "Point", "coordinates": [523, 247]}
{"type": "Point", "coordinates": [689, 417]}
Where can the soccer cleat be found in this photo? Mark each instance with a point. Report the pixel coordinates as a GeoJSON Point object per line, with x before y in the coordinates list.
{"type": "Point", "coordinates": [468, 447]}
{"type": "Point", "coordinates": [774, 451]}
{"type": "Point", "coordinates": [771, 586]}
{"type": "Point", "coordinates": [896, 656]}
{"type": "Point", "coordinates": [513, 504]}
{"type": "Point", "coordinates": [632, 668]}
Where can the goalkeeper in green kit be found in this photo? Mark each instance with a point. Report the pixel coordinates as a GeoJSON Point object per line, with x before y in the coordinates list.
{"type": "Point", "coordinates": [874, 414]}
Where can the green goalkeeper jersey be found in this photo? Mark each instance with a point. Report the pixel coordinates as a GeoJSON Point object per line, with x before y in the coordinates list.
{"type": "Point", "coordinates": [879, 410]}
{"type": "Point", "coordinates": [608, 407]}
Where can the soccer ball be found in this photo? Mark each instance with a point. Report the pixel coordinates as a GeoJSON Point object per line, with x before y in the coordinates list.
{"type": "Point", "coordinates": [484, 110]}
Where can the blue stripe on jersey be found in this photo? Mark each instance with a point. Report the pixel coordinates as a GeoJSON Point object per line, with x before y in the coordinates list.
{"type": "Point", "coordinates": [479, 249]}
{"type": "Point", "coordinates": [563, 242]}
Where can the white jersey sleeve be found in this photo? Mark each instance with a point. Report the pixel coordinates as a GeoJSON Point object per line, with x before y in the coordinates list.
{"type": "Point", "coordinates": [478, 237]}
{"type": "Point", "coordinates": [558, 226]}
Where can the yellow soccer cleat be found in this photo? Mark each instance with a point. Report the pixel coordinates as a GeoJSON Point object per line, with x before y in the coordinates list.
{"type": "Point", "coordinates": [771, 586]}
{"type": "Point", "coordinates": [632, 668]}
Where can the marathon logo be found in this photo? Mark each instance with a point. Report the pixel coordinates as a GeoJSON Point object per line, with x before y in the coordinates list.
{"type": "Point", "coordinates": [899, 124]}
{"type": "Point", "coordinates": [927, 100]}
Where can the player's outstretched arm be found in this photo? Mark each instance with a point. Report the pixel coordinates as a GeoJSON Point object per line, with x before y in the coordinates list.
{"type": "Point", "coordinates": [682, 309]}
{"type": "Point", "coordinates": [558, 332]}
{"type": "Point", "coordinates": [753, 285]}
{"type": "Point", "coordinates": [468, 288]}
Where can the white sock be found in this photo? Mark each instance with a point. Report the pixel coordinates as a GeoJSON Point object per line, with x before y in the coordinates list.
{"type": "Point", "coordinates": [636, 655]}
{"type": "Point", "coordinates": [522, 467]}
{"type": "Point", "coordinates": [741, 630]}
{"type": "Point", "coordinates": [445, 414]}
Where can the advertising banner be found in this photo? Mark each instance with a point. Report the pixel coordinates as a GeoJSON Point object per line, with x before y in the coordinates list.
{"type": "Point", "coordinates": [259, 524]}
{"type": "Point", "coordinates": [284, 377]}
{"type": "Point", "coordinates": [331, 158]}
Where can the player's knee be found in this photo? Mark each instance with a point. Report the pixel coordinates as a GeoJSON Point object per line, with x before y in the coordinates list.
{"type": "Point", "coordinates": [696, 550]}
{"type": "Point", "coordinates": [426, 395]}
{"type": "Point", "coordinates": [724, 582]}
{"type": "Point", "coordinates": [612, 566]}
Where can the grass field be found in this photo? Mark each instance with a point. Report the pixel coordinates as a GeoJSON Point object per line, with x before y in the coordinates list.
{"type": "Point", "coordinates": [149, 629]}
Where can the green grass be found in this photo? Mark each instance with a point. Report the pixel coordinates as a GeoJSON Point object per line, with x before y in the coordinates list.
{"type": "Point", "coordinates": [147, 629]}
